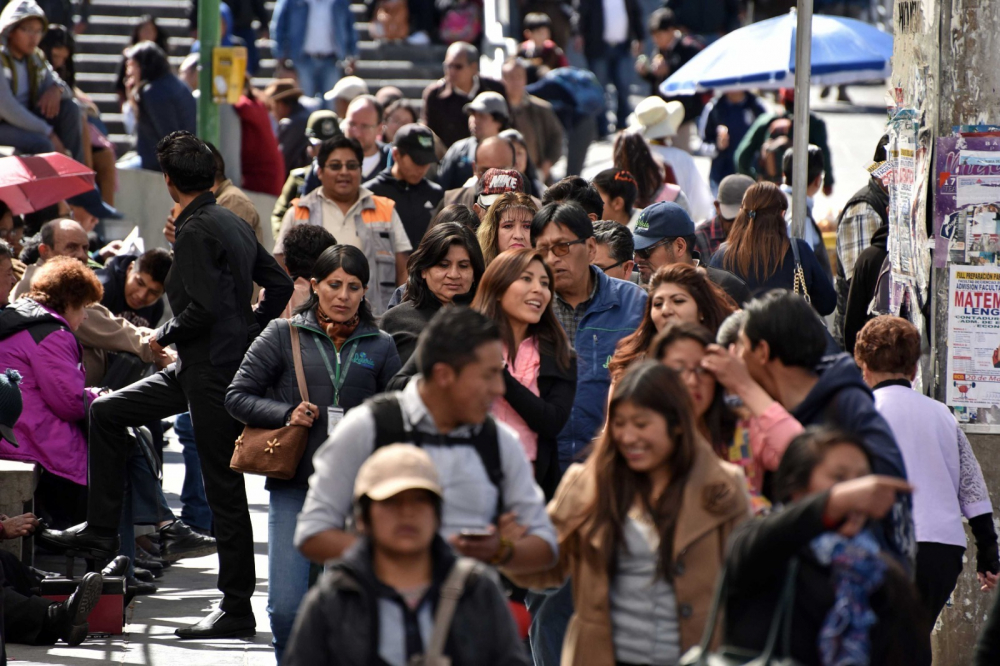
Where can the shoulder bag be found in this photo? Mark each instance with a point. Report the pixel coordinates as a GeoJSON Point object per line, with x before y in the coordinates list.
{"type": "Point", "coordinates": [734, 656]}
{"type": "Point", "coordinates": [451, 592]}
{"type": "Point", "coordinates": [799, 282]}
{"type": "Point", "coordinates": [275, 453]}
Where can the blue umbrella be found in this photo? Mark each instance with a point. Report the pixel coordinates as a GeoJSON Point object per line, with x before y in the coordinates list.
{"type": "Point", "coordinates": [762, 56]}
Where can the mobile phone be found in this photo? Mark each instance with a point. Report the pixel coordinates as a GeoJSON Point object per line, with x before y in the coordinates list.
{"type": "Point", "coordinates": [475, 534]}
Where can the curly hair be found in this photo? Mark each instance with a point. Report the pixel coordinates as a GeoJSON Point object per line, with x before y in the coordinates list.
{"type": "Point", "coordinates": [714, 305]}
{"type": "Point", "coordinates": [888, 344]}
{"type": "Point", "coordinates": [65, 283]}
{"type": "Point", "coordinates": [489, 230]}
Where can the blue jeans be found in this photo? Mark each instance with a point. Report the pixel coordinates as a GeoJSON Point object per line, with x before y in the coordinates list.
{"type": "Point", "coordinates": [144, 504]}
{"type": "Point", "coordinates": [249, 35]}
{"type": "Point", "coordinates": [194, 507]}
{"type": "Point", "coordinates": [66, 126]}
{"type": "Point", "coordinates": [317, 75]}
{"type": "Point", "coordinates": [550, 615]}
{"type": "Point", "coordinates": [287, 569]}
{"type": "Point", "coordinates": [615, 68]}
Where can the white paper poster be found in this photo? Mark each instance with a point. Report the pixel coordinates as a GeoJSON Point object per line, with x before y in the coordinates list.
{"type": "Point", "coordinates": [973, 378]}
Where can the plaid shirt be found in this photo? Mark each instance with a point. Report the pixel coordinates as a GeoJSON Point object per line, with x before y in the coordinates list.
{"type": "Point", "coordinates": [569, 316]}
{"type": "Point", "coordinates": [708, 236]}
{"type": "Point", "coordinates": [857, 226]}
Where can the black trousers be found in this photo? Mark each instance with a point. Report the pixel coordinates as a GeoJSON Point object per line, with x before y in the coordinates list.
{"type": "Point", "coordinates": [25, 614]}
{"type": "Point", "coordinates": [938, 568]}
{"type": "Point", "coordinates": [200, 389]}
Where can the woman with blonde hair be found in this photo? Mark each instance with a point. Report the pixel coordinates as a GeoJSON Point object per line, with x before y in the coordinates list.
{"type": "Point", "coordinates": [759, 251]}
{"type": "Point", "coordinates": [540, 366]}
{"type": "Point", "coordinates": [506, 225]}
{"type": "Point", "coordinates": [642, 528]}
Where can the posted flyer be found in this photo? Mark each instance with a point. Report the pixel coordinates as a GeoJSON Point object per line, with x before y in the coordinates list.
{"type": "Point", "coordinates": [974, 336]}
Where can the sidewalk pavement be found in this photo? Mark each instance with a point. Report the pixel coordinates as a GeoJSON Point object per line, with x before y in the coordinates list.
{"type": "Point", "coordinates": [187, 593]}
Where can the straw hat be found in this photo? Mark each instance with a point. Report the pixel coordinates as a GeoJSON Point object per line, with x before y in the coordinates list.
{"type": "Point", "coordinates": [656, 118]}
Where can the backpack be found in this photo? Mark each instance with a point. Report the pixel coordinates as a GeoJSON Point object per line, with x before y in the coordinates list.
{"type": "Point", "coordinates": [583, 87]}
{"type": "Point", "coordinates": [461, 23]}
{"type": "Point", "coordinates": [391, 428]}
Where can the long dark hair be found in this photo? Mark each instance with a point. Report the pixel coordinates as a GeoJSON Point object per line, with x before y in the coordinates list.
{"type": "Point", "coordinates": [353, 261]}
{"type": "Point", "coordinates": [433, 248]}
{"type": "Point", "coordinates": [758, 240]}
{"type": "Point", "coordinates": [161, 36]}
{"type": "Point", "coordinates": [714, 305]}
{"type": "Point", "coordinates": [502, 272]}
{"type": "Point", "coordinates": [632, 153]}
{"type": "Point", "coordinates": [56, 36]}
{"type": "Point", "coordinates": [720, 420]}
{"type": "Point", "coordinates": [152, 60]}
{"type": "Point", "coordinates": [656, 387]}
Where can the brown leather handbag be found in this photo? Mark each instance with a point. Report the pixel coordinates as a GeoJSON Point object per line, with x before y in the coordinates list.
{"type": "Point", "coordinates": [275, 453]}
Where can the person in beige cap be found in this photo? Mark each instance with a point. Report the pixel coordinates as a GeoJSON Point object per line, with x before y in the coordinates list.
{"type": "Point", "coordinates": [392, 577]}
{"type": "Point", "coordinates": [657, 121]}
{"type": "Point", "coordinates": [342, 94]}
{"type": "Point", "coordinates": [283, 99]}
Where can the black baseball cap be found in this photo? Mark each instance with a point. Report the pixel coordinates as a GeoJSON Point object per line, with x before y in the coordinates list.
{"type": "Point", "coordinates": [10, 404]}
{"type": "Point", "coordinates": [417, 142]}
{"type": "Point", "coordinates": [661, 220]}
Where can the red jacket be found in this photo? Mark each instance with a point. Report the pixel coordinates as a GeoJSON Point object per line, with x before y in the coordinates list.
{"type": "Point", "coordinates": [260, 159]}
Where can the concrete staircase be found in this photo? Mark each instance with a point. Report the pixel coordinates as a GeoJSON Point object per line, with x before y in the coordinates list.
{"type": "Point", "coordinates": [99, 51]}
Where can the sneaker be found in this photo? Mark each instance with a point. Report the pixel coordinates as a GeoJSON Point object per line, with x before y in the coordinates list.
{"type": "Point", "coordinates": [178, 541]}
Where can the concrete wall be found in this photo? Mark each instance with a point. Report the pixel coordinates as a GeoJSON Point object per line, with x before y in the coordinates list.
{"type": "Point", "coordinates": [947, 54]}
{"type": "Point", "coordinates": [143, 198]}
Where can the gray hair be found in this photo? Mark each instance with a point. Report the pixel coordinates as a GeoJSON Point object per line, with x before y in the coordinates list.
{"type": "Point", "coordinates": [617, 237]}
{"type": "Point", "coordinates": [6, 251]}
{"type": "Point", "coordinates": [470, 51]}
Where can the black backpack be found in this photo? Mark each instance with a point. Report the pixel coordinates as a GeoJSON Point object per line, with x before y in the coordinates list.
{"type": "Point", "coordinates": [391, 428]}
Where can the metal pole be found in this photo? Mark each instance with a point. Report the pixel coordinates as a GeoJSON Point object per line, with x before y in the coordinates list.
{"type": "Point", "coordinates": [800, 133]}
{"type": "Point", "coordinates": [208, 37]}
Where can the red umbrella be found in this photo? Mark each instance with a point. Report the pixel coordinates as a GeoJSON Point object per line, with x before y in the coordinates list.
{"type": "Point", "coordinates": [31, 182]}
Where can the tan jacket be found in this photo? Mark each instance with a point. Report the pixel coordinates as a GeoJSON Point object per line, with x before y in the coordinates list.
{"type": "Point", "coordinates": [234, 199]}
{"type": "Point", "coordinates": [715, 501]}
{"type": "Point", "coordinates": [542, 131]}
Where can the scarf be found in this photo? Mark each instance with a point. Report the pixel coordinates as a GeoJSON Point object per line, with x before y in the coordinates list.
{"type": "Point", "coordinates": [338, 331]}
{"type": "Point", "coordinates": [857, 571]}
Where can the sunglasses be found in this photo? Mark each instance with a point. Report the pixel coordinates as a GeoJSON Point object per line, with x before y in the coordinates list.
{"type": "Point", "coordinates": [612, 266]}
{"type": "Point", "coordinates": [646, 253]}
{"type": "Point", "coordinates": [559, 249]}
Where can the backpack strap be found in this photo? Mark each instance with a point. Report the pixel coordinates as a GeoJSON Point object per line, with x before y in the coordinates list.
{"type": "Point", "coordinates": [487, 445]}
{"type": "Point", "coordinates": [451, 591]}
{"type": "Point", "coordinates": [390, 427]}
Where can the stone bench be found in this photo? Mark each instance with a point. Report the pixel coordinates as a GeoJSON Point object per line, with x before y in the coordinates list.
{"type": "Point", "coordinates": [17, 488]}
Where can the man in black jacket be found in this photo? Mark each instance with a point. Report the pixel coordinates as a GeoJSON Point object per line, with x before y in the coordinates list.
{"type": "Point", "coordinates": [611, 32]}
{"type": "Point", "coordinates": [217, 260]}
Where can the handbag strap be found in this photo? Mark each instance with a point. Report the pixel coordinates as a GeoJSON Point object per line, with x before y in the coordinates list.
{"type": "Point", "coordinates": [300, 375]}
{"type": "Point", "coordinates": [799, 274]}
{"type": "Point", "coordinates": [450, 593]}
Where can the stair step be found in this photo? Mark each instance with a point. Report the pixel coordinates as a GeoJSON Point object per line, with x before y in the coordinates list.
{"type": "Point", "coordinates": [136, 8]}
{"type": "Point", "coordinates": [101, 24]}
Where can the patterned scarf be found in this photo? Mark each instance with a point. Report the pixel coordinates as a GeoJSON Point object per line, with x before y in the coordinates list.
{"type": "Point", "coordinates": [857, 571]}
{"type": "Point", "coordinates": [338, 331]}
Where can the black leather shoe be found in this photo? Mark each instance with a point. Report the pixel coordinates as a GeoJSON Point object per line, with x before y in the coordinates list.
{"type": "Point", "coordinates": [78, 541]}
{"type": "Point", "coordinates": [144, 575]}
{"type": "Point", "coordinates": [116, 567]}
{"type": "Point", "coordinates": [177, 541]}
{"type": "Point", "coordinates": [137, 588]}
{"type": "Point", "coordinates": [220, 624]}
{"type": "Point", "coordinates": [71, 615]}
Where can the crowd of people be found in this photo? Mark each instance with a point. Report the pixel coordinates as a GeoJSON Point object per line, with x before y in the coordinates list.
{"type": "Point", "coordinates": [506, 418]}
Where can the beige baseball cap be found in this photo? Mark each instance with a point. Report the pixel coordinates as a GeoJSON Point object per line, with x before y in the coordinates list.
{"type": "Point", "coordinates": [393, 469]}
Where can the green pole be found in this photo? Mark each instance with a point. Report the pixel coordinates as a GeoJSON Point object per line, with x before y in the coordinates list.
{"type": "Point", "coordinates": [208, 36]}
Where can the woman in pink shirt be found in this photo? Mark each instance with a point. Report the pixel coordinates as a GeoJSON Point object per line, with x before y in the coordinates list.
{"type": "Point", "coordinates": [540, 372]}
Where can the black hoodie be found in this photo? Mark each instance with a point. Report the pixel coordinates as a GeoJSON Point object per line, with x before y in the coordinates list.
{"type": "Point", "coordinates": [113, 277]}
{"type": "Point", "coordinates": [338, 622]}
{"type": "Point", "coordinates": [841, 399]}
{"type": "Point", "coordinates": [866, 272]}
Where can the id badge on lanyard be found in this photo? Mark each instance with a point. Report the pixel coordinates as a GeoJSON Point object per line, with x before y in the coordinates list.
{"type": "Point", "coordinates": [335, 413]}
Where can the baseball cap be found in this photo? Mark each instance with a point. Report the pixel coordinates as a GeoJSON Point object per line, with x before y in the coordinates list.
{"type": "Point", "coordinates": [496, 183]}
{"type": "Point", "coordinates": [417, 142]}
{"type": "Point", "coordinates": [661, 220]}
{"type": "Point", "coordinates": [731, 191]}
{"type": "Point", "coordinates": [347, 88]}
{"type": "Point", "coordinates": [393, 469]}
{"type": "Point", "coordinates": [10, 404]}
{"type": "Point", "coordinates": [93, 203]}
{"type": "Point", "coordinates": [283, 89]}
{"type": "Point", "coordinates": [489, 102]}
{"type": "Point", "coordinates": [323, 125]}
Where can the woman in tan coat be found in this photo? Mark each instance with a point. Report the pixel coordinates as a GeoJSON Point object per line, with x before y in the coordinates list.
{"type": "Point", "coordinates": [642, 528]}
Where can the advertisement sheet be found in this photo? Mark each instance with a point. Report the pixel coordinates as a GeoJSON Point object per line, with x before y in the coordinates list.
{"type": "Point", "coordinates": [974, 336]}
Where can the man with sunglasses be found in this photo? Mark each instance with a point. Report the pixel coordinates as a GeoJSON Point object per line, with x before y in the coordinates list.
{"type": "Point", "coordinates": [664, 234]}
{"type": "Point", "coordinates": [355, 217]}
{"type": "Point", "coordinates": [615, 250]}
{"type": "Point", "coordinates": [595, 310]}
{"type": "Point", "coordinates": [445, 99]}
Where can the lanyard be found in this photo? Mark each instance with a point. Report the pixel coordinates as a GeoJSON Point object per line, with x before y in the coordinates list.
{"type": "Point", "coordinates": [340, 376]}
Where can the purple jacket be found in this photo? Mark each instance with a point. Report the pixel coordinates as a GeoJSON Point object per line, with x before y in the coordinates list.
{"type": "Point", "coordinates": [38, 343]}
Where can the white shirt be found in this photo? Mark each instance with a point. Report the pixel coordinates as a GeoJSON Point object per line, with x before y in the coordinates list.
{"type": "Point", "coordinates": [692, 183]}
{"type": "Point", "coordinates": [370, 162]}
{"type": "Point", "coordinates": [319, 38]}
{"type": "Point", "coordinates": [615, 21]}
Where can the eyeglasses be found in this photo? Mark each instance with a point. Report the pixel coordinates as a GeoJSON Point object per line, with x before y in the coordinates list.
{"type": "Point", "coordinates": [28, 31]}
{"type": "Point", "coordinates": [457, 66]}
{"type": "Point", "coordinates": [339, 166]}
{"type": "Point", "coordinates": [559, 249]}
{"type": "Point", "coordinates": [350, 124]}
{"type": "Point", "coordinates": [612, 266]}
{"type": "Point", "coordinates": [647, 253]}
{"type": "Point", "coordinates": [697, 372]}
